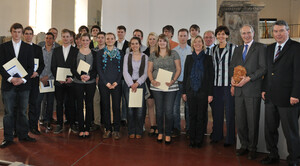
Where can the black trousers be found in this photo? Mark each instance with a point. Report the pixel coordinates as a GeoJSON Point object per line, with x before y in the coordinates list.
{"type": "Point", "coordinates": [63, 92]}
{"type": "Point", "coordinates": [85, 92]}
{"type": "Point", "coordinates": [116, 100]}
{"type": "Point", "coordinates": [198, 104]}
{"type": "Point", "coordinates": [33, 111]}
{"type": "Point", "coordinates": [288, 116]}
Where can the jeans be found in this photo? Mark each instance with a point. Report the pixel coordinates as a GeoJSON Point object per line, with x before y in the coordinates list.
{"type": "Point", "coordinates": [116, 99]}
{"type": "Point", "coordinates": [15, 100]}
{"type": "Point", "coordinates": [176, 111]}
{"type": "Point", "coordinates": [48, 105]}
{"type": "Point", "coordinates": [164, 103]}
{"type": "Point", "coordinates": [135, 116]}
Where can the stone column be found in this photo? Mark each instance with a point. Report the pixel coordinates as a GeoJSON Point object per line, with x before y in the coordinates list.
{"type": "Point", "coordinates": [234, 14]}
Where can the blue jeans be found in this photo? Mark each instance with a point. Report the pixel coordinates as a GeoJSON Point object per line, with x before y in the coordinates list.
{"type": "Point", "coordinates": [15, 100]}
{"type": "Point", "coordinates": [124, 101]}
{"type": "Point", "coordinates": [48, 105]}
{"type": "Point", "coordinates": [176, 111]}
{"type": "Point", "coordinates": [164, 103]}
{"type": "Point", "coordinates": [135, 116]}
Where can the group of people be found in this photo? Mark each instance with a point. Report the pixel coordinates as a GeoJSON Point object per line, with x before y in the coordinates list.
{"type": "Point", "coordinates": [202, 74]}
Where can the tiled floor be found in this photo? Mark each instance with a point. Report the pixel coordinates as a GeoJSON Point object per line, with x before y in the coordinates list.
{"type": "Point", "coordinates": [68, 149]}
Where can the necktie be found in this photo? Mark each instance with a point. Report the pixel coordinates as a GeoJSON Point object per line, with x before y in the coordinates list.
{"type": "Point", "coordinates": [277, 53]}
{"type": "Point", "coordinates": [207, 50]}
{"type": "Point", "coordinates": [245, 52]}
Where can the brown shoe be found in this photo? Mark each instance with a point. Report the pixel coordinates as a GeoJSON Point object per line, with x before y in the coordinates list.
{"type": "Point", "coordinates": [241, 152]}
{"type": "Point", "coordinates": [116, 135]}
{"type": "Point", "coordinates": [138, 136]}
{"type": "Point", "coordinates": [106, 134]}
{"type": "Point", "coordinates": [131, 136]}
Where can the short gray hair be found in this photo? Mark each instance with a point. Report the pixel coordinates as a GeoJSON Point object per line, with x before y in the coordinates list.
{"type": "Point", "coordinates": [282, 23]}
{"type": "Point", "coordinates": [247, 25]}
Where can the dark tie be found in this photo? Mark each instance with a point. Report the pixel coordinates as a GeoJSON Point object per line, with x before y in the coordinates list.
{"type": "Point", "coordinates": [207, 50]}
{"type": "Point", "coordinates": [277, 53]}
{"type": "Point", "coordinates": [245, 52]}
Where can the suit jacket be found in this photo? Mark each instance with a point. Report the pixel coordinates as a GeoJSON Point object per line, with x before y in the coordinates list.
{"type": "Point", "coordinates": [125, 46]}
{"type": "Point", "coordinates": [282, 79]}
{"type": "Point", "coordinates": [255, 64]}
{"type": "Point", "coordinates": [207, 80]}
{"type": "Point", "coordinates": [58, 60]}
{"type": "Point", "coordinates": [25, 58]}
{"type": "Point", "coordinates": [38, 53]}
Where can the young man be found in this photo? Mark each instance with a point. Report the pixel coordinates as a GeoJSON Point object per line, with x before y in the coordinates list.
{"type": "Point", "coordinates": [168, 30]}
{"type": "Point", "coordinates": [64, 90]}
{"type": "Point", "coordinates": [183, 49]}
{"type": "Point", "coordinates": [94, 30]}
{"type": "Point", "coordinates": [15, 89]}
{"type": "Point", "coordinates": [209, 41]}
{"type": "Point", "coordinates": [33, 112]}
{"type": "Point", "coordinates": [252, 56]}
{"type": "Point", "coordinates": [138, 33]}
{"type": "Point", "coordinates": [194, 31]}
{"type": "Point", "coordinates": [121, 43]}
{"type": "Point", "coordinates": [54, 31]}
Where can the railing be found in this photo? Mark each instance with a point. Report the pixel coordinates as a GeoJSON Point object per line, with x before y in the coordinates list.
{"type": "Point", "coordinates": [266, 31]}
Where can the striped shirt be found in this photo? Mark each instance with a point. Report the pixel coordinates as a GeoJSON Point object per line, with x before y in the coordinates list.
{"type": "Point", "coordinates": [166, 63]}
{"type": "Point", "coordinates": [221, 63]}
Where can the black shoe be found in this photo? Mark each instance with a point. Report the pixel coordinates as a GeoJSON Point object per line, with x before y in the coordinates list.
{"type": "Point", "coordinates": [213, 142]}
{"type": "Point", "coordinates": [74, 128]}
{"type": "Point", "coordinates": [123, 123]}
{"type": "Point", "coordinates": [168, 142]}
{"type": "Point", "coordinates": [154, 128]}
{"type": "Point", "coordinates": [35, 131]}
{"type": "Point", "coordinates": [227, 145]}
{"type": "Point", "coordinates": [252, 155]}
{"type": "Point", "coordinates": [58, 129]}
{"type": "Point", "coordinates": [175, 133]}
{"type": "Point", "coordinates": [241, 152]}
{"type": "Point", "coordinates": [27, 139]}
{"type": "Point", "coordinates": [269, 160]}
{"type": "Point", "coordinates": [67, 122]}
{"type": "Point", "coordinates": [94, 127]}
{"type": "Point", "coordinates": [48, 126]}
{"type": "Point", "coordinates": [159, 140]}
{"type": "Point", "coordinates": [192, 144]}
{"type": "Point", "coordinates": [5, 143]}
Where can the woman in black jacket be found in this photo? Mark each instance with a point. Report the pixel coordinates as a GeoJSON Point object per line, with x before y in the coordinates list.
{"type": "Point", "coordinates": [197, 89]}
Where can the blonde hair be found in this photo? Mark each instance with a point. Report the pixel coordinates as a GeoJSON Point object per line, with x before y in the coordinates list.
{"type": "Point", "coordinates": [151, 34]}
{"type": "Point", "coordinates": [198, 36]}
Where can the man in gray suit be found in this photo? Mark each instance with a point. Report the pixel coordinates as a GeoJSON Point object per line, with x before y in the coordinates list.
{"type": "Point", "coordinates": [252, 56]}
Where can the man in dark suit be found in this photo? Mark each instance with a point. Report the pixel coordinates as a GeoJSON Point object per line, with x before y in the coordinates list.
{"type": "Point", "coordinates": [252, 56]}
{"type": "Point", "coordinates": [281, 92]}
{"type": "Point", "coordinates": [15, 89]}
{"type": "Point", "coordinates": [64, 90]}
{"type": "Point", "coordinates": [34, 112]}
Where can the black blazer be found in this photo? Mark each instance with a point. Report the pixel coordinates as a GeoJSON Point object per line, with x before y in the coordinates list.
{"type": "Point", "coordinates": [38, 53]}
{"type": "Point", "coordinates": [255, 64]}
{"type": "Point", "coordinates": [92, 73]}
{"type": "Point", "coordinates": [207, 80]}
{"type": "Point", "coordinates": [25, 57]}
{"type": "Point", "coordinates": [125, 46]}
{"type": "Point", "coordinates": [59, 61]}
{"type": "Point", "coordinates": [282, 80]}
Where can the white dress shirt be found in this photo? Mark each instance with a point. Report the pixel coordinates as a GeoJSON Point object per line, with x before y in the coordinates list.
{"type": "Point", "coordinates": [66, 51]}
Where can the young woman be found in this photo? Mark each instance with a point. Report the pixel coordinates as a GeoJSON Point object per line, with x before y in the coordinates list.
{"type": "Point", "coordinates": [197, 89]}
{"type": "Point", "coordinates": [85, 84]}
{"type": "Point", "coordinates": [222, 54]}
{"type": "Point", "coordinates": [167, 59]}
{"type": "Point", "coordinates": [135, 73]}
{"type": "Point", "coordinates": [109, 68]}
{"type": "Point", "coordinates": [151, 43]}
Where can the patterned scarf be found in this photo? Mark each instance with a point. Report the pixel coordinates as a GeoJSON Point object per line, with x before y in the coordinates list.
{"type": "Point", "coordinates": [114, 53]}
{"type": "Point", "coordinates": [197, 71]}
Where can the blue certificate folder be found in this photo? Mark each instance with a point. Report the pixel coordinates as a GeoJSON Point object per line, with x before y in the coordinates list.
{"type": "Point", "coordinates": [14, 68]}
{"type": "Point", "coordinates": [14, 72]}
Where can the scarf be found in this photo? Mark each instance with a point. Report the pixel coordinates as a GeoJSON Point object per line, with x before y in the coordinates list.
{"type": "Point", "coordinates": [115, 53]}
{"type": "Point", "coordinates": [197, 70]}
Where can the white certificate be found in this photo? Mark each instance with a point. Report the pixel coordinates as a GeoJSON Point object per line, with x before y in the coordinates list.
{"type": "Point", "coordinates": [83, 66]}
{"type": "Point", "coordinates": [163, 76]}
{"type": "Point", "coordinates": [14, 68]}
{"type": "Point", "coordinates": [62, 73]}
{"type": "Point", "coordinates": [48, 88]}
{"type": "Point", "coordinates": [36, 64]}
{"type": "Point", "coordinates": [136, 99]}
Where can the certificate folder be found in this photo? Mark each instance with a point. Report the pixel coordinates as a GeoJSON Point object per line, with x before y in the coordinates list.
{"type": "Point", "coordinates": [14, 68]}
{"type": "Point", "coordinates": [136, 99]}
{"type": "Point", "coordinates": [63, 73]}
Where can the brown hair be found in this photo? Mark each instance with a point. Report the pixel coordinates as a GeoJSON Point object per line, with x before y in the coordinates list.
{"type": "Point", "coordinates": [165, 38]}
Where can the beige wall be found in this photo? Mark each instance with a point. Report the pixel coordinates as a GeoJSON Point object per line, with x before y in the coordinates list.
{"type": "Point", "coordinates": [94, 12]}
{"type": "Point", "coordinates": [12, 11]}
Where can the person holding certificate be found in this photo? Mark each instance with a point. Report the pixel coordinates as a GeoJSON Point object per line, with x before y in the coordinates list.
{"type": "Point", "coordinates": [85, 83]}
{"type": "Point", "coordinates": [109, 68]}
{"type": "Point", "coordinates": [167, 60]}
{"type": "Point", "coordinates": [197, 89]}
{"type": "Point", "coordinates": [135, 73]}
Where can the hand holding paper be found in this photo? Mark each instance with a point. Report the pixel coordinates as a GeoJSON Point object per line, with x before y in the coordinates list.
{"type": "Point", "coordinates": [14, 68]}
{"type": "Point", "coordinates": [135, 98]}
{"type": "Point", "coordinates": [62, 73]}
{"type": "Point", "coordinates": [83, 67]}
{"type": "Point", "coordinates": [163, 76]}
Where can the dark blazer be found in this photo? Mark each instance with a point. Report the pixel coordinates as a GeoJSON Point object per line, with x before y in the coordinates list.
{"type": "Point", "coordinates": [25, 57]}
{"type": "Point", "coordinates": [207, 80]}
{"type": "Point", "coordinates": [282, 79]}
{"type": "Point", "coordinates": [58, 60]}
{"type": "Point", "coordinates": [255, 64]}
{"type": "Point", "coordinates": [92, 73]}
{"type": "Point", "coordinates": [125, 46]}
{"type": "Point", "coordinates": [38, 53]}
